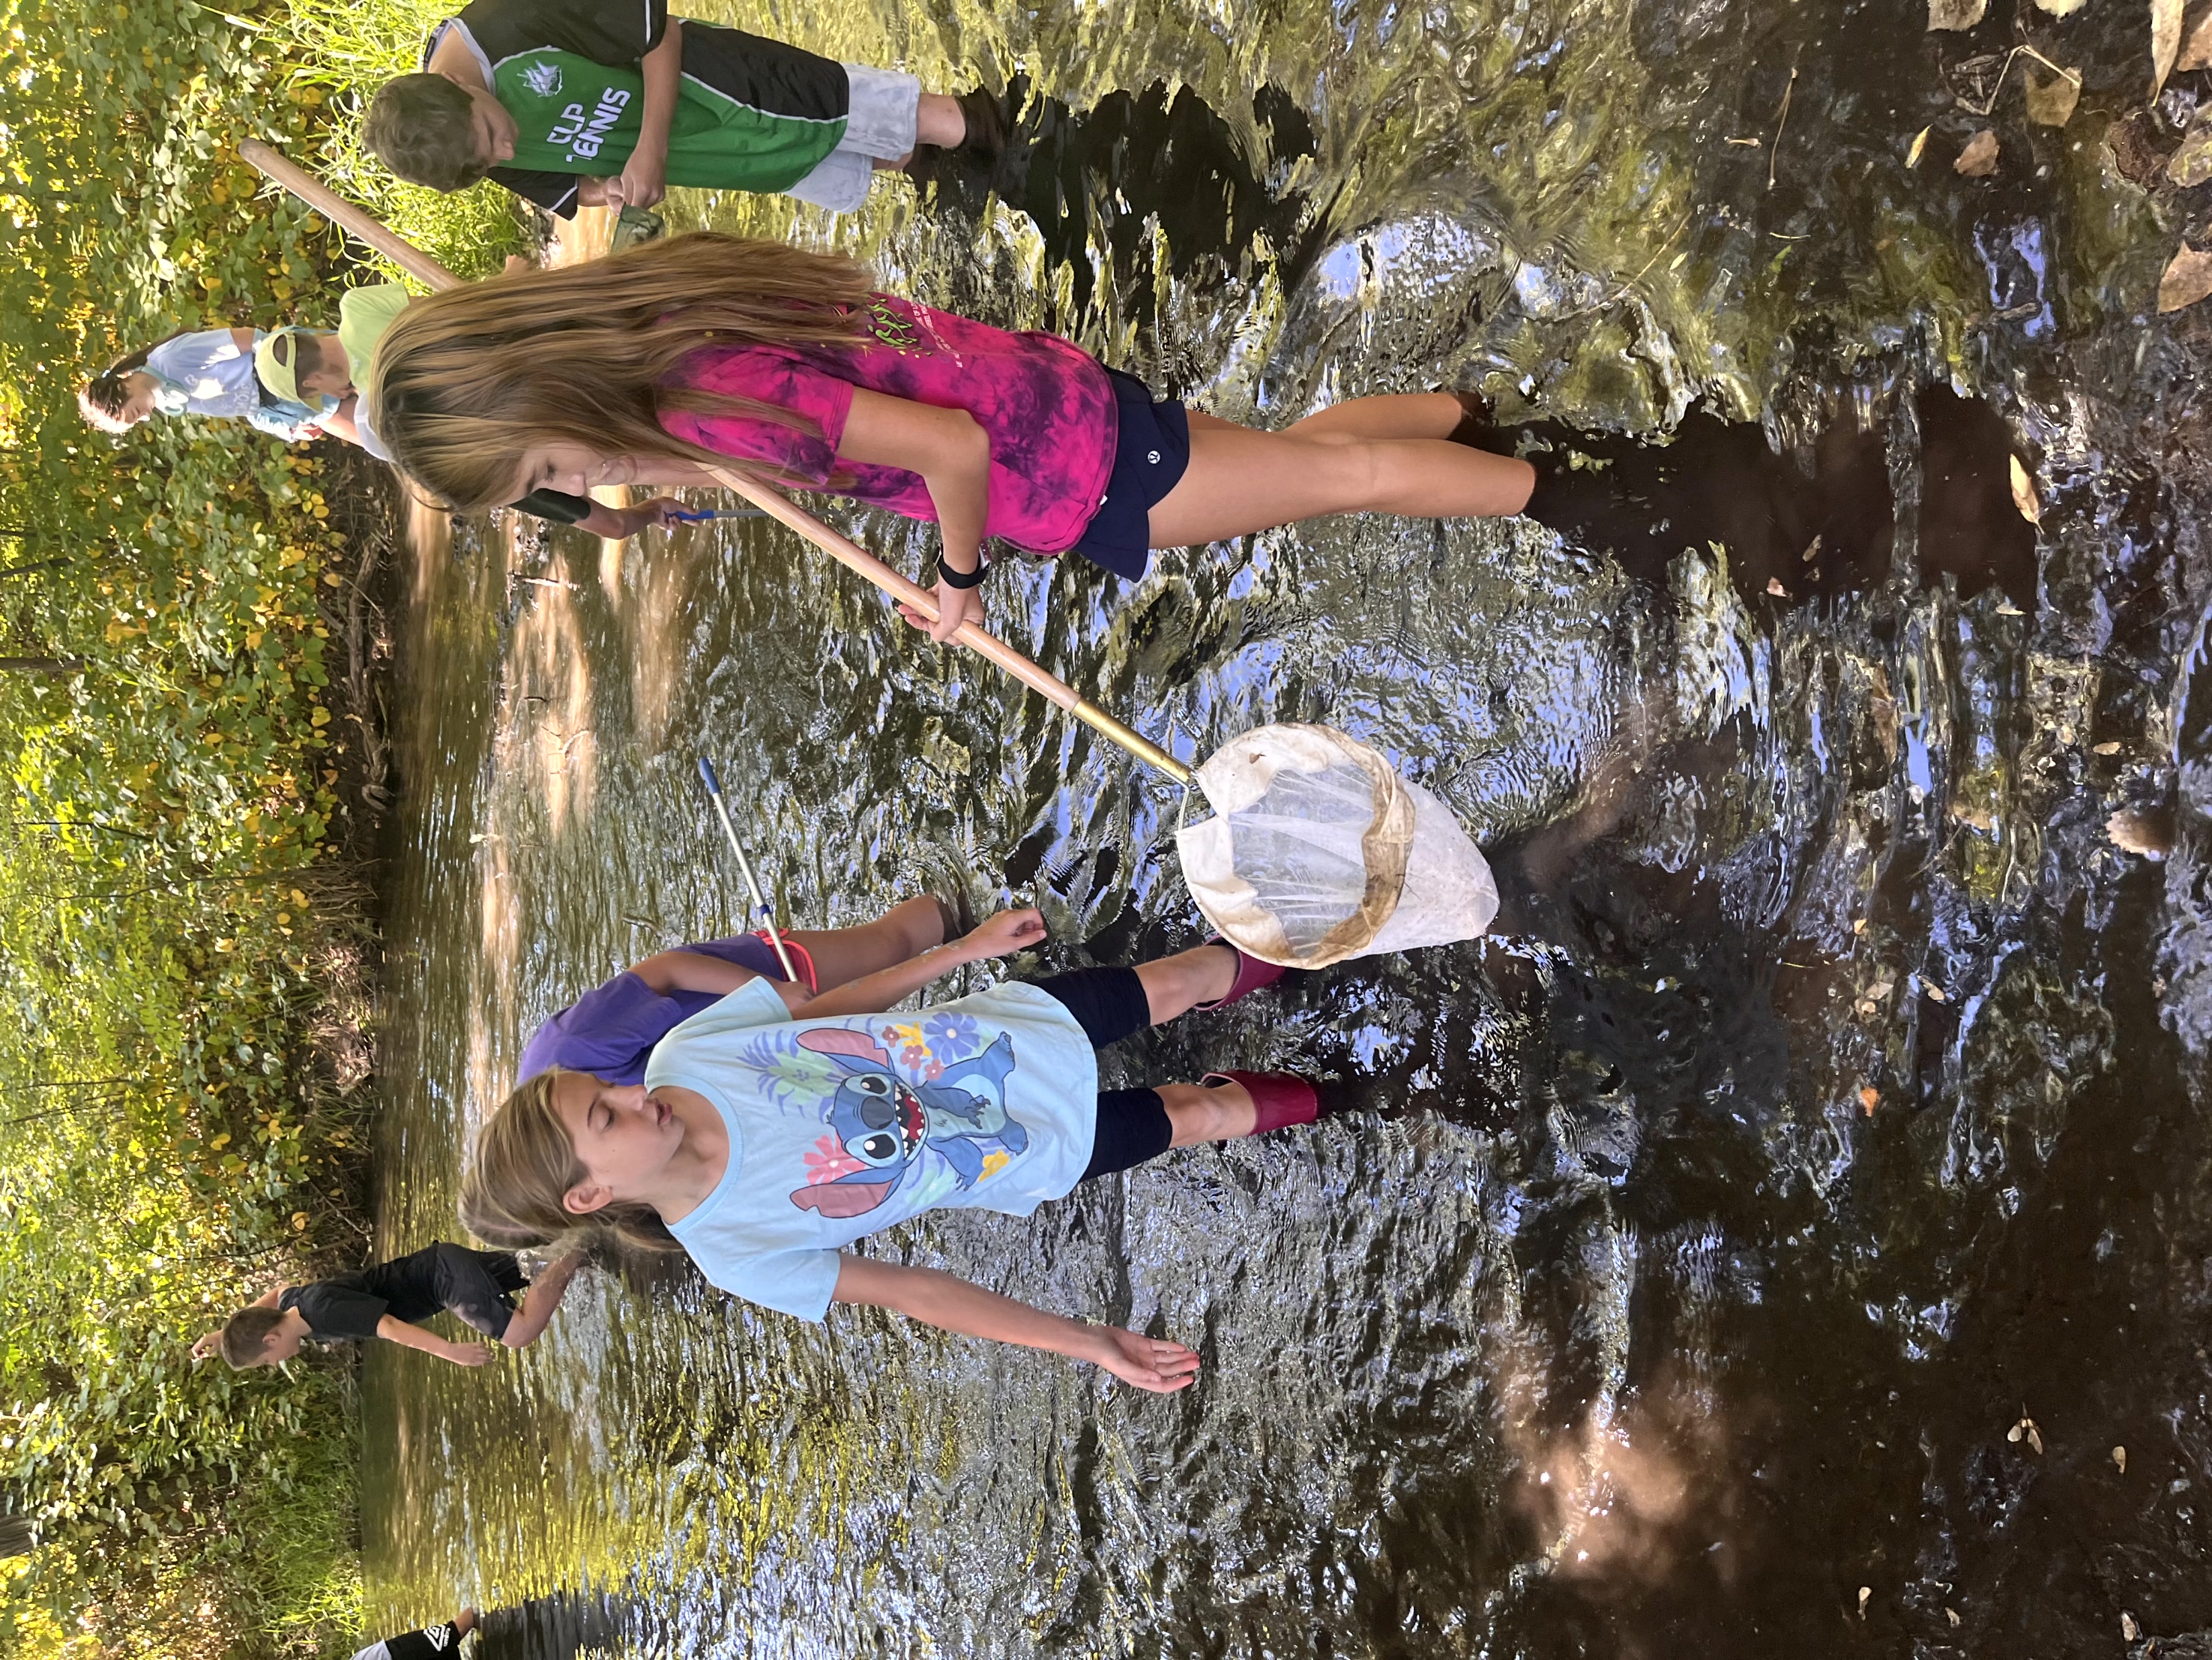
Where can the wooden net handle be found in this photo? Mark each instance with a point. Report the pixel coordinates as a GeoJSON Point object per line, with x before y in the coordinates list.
{"type": "Point", "coordinates": [773, 502]}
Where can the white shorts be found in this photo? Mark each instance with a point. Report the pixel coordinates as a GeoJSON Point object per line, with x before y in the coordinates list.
{"type": "Point", "coordinates": [880, 120]}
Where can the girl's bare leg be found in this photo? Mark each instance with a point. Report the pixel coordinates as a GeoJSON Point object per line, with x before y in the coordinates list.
{"type": "Point", "coordinates": [842, 955]}
{"type": "Point", "coordinates": [1221, 1113]}
{"type": "Point", "coordinates": [940, 121]}
{"type": "Point", "coordinates": [1240, 481]}
{"type": "Point", "coordinates": [1174, 985]}
{"type": "Point", "coordinates": [1409, 415]}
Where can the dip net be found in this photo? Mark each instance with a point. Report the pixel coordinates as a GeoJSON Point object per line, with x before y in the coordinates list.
{"type": "Point", "coordinates": [1319, 851]}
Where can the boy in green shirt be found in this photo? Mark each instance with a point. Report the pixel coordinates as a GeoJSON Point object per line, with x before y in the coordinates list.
{"type": "Point", "coordinates": [574, 103]}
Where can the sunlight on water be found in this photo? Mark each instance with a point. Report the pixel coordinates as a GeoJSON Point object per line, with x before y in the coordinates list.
{"type": "Point", "coordinates": [1677, 1274]}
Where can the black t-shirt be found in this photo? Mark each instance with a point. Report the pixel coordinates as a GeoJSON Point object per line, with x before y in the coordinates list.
{"type": "Point", "coordinates": [604, 31]}
{"type": "Point", "coordinates": [346, 1306]}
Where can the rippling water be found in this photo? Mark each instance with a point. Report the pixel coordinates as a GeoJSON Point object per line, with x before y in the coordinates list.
{"type": "Point", "coordinates": [1686, 1268]}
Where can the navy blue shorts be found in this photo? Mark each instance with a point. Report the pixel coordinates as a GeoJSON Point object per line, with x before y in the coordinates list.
{"type": "Point", "coordinates": [1109, 1005]}
{"type": "Point", "coordinates": [1151, 449]}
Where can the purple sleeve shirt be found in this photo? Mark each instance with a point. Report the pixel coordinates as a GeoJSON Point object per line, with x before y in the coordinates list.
{"type": "Point", "coordinates": [610, 1029]}
{"type": "Point", "coordinates": [1045, 404]}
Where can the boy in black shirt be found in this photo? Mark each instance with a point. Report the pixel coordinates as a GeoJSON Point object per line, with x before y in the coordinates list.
{"type": "Point", "coordinates": [427, 1644]}
{"type": "Point", "coordinates": [574, 103]}
{"type": "Point", "coordinates": [391, 1300]}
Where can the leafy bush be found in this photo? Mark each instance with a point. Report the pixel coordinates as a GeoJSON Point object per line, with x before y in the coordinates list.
{"type": "Point", "coordinates": [175, 1129]}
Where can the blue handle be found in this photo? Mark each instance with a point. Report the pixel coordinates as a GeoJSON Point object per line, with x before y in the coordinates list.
{"type": "Point", "coordinates": [693, 518]}
{"type": "Point", "coordinates": [707, 777]}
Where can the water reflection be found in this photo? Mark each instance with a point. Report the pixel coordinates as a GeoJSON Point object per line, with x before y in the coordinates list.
{"type": "Point", "coordinates": [1837, 1104]}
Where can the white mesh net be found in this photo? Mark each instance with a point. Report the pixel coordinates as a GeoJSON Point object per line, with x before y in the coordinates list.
{"type": "Point", "coordinates": [1319, 851]}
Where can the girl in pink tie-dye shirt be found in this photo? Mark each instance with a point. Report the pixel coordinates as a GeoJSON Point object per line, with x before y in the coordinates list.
{"type": "Point", "coordinates": [648, 367]}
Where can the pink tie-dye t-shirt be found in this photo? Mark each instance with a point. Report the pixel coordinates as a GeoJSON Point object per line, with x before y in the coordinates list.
{"type": "Point", "coordinates": [1047, 405]}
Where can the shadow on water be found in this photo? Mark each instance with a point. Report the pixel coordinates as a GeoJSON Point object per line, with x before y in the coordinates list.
{"type": "Point", "coordinates": [1696, 1246]}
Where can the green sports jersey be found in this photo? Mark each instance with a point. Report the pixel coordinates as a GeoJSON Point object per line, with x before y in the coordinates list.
{"type": "Point", "coordinates": [581, 117]}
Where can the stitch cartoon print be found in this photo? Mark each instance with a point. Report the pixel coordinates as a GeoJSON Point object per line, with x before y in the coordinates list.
{"type": "Point", "coordinates": [886, 1127]}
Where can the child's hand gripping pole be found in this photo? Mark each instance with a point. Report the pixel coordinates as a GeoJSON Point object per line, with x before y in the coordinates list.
{"type": "Point", "coordinates": [850, 553]}
{"type": "Point", "coordinates": [760, 901]}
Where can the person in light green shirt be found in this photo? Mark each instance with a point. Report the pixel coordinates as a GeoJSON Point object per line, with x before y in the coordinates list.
{"type": "Point", "coordinates": [333, 371]}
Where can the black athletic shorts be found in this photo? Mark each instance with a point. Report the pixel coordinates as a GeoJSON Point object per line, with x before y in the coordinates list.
{"type": "Point", "coordinates": [1109, 1005]}
{"type": "Point", "coordinates": [1151, 448]}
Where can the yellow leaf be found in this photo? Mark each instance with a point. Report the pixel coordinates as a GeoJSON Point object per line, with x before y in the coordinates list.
{"type": "Point", "coordinates": [1955, 14]}
{"type": "Point", "coordinates": [2196, 42]}
{"type": "Point", "coordinates": [2192, 163]}
{"type": "Point", "coordinates": [1919, 146]}
{"type": "Point", "coordinates": [2165, 42]}
{"type": "Point", "coordinates": [1979, 159]}
{"type": "Point", "coordinates": [2023, 493]}
{"type": "Point", "coordinates": [220, 1142]}
{"type": "Point", "coordinates": [2052, 96]}
{"type": "Point", "coordinates": [2187, 280]}
{"type": "Point", "coordinates": [319, 718]}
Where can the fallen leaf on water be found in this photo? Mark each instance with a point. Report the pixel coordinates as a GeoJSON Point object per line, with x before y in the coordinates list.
{"type": "Point", "coordinates": [2120, 1459]}
{"type": "Point", "coordinates": [2052, 96]}
{"type": "Point", "coordinates": [2112, 748]}
{"type": "Point", "coordinates": [2187, 280]}
{"type": "Point", "coordinates": [2034, 1437]}
{"type": "Point", "coordinates": [1979, 159]}
{"type": "Point", "coordinates": [1919, 145]}
{"type": "Point", "coordinates": [1955, 14]}
{"type": "Point", "coordinates": [2023, 493]}
{"type": "Point", "coordinates": [2062, 8]}
{"type": "Point", "coordinates": [1810, 553]}
{"type": "Point", "coordinates": [2006, 608]}
{"type": "Point", "coordinates": [2197, 43]}
{"type": "Point", "coordinates": [2165, 42]}
{"type": "Point", "coordinates": [2145, 830]}
{"type": "Point", "coordinates": [1880, 988]}
{"type": "Point", "coordinates": [1859, 927]}
{"type": "Point", "coordinates": [1952, 1614]}
{"type": "Point", "coordinates": [1933, 990]}
{"type": "Point", "coordinates": [1866, 1595]}
{"type": "Point", "coordinates": [2016, 1431]}
{"type": "Point", "coordinates": [1868, 1011]}
{"type": "Point", "coordinates": [1774, 586]}
{"type": "Point", "coordinates": [2129, 1629]}
{"type": "Point", "coordinates": [1869, 1098]}
{"type": "Point", "coordinates": [2192, 163]}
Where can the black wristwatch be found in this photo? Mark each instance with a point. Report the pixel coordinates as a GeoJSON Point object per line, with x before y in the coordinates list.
{"type": "Point", "coordinates": [961, 578]}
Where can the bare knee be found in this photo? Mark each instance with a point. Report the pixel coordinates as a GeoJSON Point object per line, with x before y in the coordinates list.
{"type": "Point", "coordinates": [1198, 1114]}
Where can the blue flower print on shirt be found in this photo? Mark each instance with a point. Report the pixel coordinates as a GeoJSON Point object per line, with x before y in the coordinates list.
{"type": "Point", "coordinates": [951, 1036]}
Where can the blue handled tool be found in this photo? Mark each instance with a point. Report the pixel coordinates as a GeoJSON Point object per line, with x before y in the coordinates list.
{"type": "Point", "coordinates": [697, 515]}
{"type": "Point", "coordinates": [707, 777]}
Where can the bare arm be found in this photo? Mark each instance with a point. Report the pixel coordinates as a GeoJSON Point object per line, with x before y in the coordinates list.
{"type": "Point", "coordinates": [689, 970]}
{"type": "Point", "coordinates": [339, 421]}
{"type": "Point", "coordinates": [539, 1303]}
{"type": "Point", "coordinates": [620, 524]}
{"type": "Point", "coordinates": [1009, 931]}
{"type": "Point", "coordinates": [644, 178]}
{"type": "Point", "coordinates": [243, 339]}
{"type": "Point", "coordinates": [952, 454]}
{"type": "Point", "coordinates": [942, 1300]}
{"type": "Point", "coordinates": [395, 1330]}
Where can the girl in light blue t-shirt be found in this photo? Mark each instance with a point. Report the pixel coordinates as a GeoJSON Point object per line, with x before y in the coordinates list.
{"type": "Point", "coordinates": [777, 1126]}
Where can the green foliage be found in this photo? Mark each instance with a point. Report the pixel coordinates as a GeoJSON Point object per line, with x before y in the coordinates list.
{"type": "Point", "coordinates": [347, 52]}
{"type": "Point", "coordinates": [174, 1131]}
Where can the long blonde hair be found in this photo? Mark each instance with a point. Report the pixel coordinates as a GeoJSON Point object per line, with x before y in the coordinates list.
{"type": "Point", "coordinates": [466, 381]}
{"type": "Point", "coordinates": [523, 1166]}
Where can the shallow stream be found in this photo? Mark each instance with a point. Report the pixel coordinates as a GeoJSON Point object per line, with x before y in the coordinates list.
{"type": "Point", "coordinates": [1805, 1246]}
